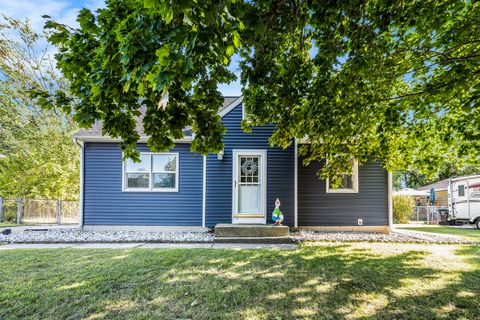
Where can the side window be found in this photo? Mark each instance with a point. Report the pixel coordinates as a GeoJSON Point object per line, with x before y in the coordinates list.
{"type": "Point", "coordinates": [349, 182]}
{"type": "Point", "coordinates": [155, 172]}
{"type": "Point", "coordinates": [461, 190]}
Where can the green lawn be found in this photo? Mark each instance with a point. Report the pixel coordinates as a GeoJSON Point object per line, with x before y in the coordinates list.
{"type": "Point", "coordinates": [7, 224]}
{"type": "Point", "coordinates": [322, 281]}
{"type": "Point", "coordinates": [470, 234]}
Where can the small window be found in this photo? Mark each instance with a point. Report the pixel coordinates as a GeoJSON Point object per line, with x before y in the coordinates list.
{"type": "Point", "coordinates": [154, 172]}
{"type": "Point", "coordinates": [461, 190]}
{"type": "Point", "coordinates": [349, 182]}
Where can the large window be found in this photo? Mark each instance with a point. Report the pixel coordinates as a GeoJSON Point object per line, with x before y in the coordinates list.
{"type": "Point", "coordinates": [154, 172]}
{"type": "Point", "coordinates": [349, 182]}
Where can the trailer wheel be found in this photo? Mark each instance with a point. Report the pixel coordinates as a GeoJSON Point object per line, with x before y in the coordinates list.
{"type": "Point", "coordinates": [477, 223]}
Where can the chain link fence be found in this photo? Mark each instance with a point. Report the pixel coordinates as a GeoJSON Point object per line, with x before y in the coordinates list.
{"type": "Point", "coordinates": [429, 215]}
{"type": "Point", "coordinates": [39, 211]}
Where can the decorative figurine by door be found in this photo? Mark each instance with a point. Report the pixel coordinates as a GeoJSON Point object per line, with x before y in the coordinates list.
{"type": "Point", "coordinates": [277, 215]}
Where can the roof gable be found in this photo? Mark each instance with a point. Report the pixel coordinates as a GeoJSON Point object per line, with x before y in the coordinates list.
{"type": "Point", "coordinates": [95, 132]}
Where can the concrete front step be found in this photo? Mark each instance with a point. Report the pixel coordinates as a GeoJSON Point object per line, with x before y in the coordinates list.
{"type": "Point", "coordinates": [262, 240]}
{"type": "Point", "coordinates": [250, 230]}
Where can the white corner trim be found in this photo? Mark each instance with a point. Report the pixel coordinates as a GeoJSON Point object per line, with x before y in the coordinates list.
{"type": "Point", "coordinates": [295, 186]}
{"type": "Point", "coordinates": [345, 190]}
{"type": "Point", "coordinates": [230, 107]}
{"type": "Point", "coordinates": [390, 199]}
{"type": "Point", "coordinates": [82, 178]}
{"type": "Point", "coordinates": [204, 191]}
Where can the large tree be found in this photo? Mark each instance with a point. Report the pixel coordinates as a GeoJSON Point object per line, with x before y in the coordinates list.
{"type": "Point", "coordinates": [391, 80]}
{"type": "Point", "coordinates": [39, 158]}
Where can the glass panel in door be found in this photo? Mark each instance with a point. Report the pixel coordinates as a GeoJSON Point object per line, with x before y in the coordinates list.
{"type": "Point", "coordinates": [249, 184]}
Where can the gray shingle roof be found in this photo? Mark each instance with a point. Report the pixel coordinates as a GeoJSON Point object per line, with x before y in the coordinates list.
{"type": "Point", "coordinates": [96, 129]}
{"type": "Point", "coordinates": [442, 184]}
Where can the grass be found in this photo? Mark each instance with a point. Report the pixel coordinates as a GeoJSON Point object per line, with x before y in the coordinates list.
{"type": "Point", "coordinates": [470, 234]}
{"type": "Point", "coordinates": [318, 281]}
{"type": "Point", "coordinates": [8, 224]}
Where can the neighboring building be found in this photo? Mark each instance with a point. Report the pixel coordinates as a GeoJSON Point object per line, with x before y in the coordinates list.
{"type": "Point", "coordinates": [179, 189]}
{"type": "Point", "coordinates": [441, 192]}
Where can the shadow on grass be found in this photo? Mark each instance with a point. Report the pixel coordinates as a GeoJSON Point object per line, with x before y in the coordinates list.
{"type": "Point", "coordinates": [327, 282]}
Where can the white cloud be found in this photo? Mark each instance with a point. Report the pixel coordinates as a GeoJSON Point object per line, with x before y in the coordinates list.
{"type": "Point", "coordinates": [63, 11]}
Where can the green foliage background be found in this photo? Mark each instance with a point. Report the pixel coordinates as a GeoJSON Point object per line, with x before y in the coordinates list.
{"type": "Point", "coordinates": [403, 207]}
{"type": "Point", "coordinates": [39, 159]}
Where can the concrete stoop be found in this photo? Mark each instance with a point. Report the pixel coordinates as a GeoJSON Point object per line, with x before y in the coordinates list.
{"type": "Point", "coordinates": [251, 233]}
{"type": "Point", "coordinates": [258, 240]}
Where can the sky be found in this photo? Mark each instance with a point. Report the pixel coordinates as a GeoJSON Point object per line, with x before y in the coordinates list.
{"type": "Point", "coordinates": [65, 11]}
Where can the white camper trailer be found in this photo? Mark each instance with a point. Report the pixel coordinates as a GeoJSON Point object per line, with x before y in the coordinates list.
{"type": "Point", "coordinates": [464, 199]}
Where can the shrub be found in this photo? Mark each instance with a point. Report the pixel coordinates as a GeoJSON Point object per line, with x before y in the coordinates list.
{"type": "Point", "coordinates": [402, 208]}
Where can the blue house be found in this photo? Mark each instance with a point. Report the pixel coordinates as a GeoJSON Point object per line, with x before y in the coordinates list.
{"type": "Point", "coordinates": [179, 190]}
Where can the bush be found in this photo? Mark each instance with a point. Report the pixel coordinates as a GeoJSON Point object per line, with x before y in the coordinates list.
{"type": "Point", "coordinates": [402, 208]}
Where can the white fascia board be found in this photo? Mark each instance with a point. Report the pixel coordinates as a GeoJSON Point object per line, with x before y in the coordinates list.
{"type": "Point", "coordinates": [142, 139]}
{"type": "Point", "coordinates": [230, 107]}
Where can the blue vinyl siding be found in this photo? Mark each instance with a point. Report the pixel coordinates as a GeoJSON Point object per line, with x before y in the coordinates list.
{"type": "Point", "coordinates": [280, 171]}
{"type": "Point", "coordinates": [106, 204]}
{"type": "Point", "coordinates": [318, 208]}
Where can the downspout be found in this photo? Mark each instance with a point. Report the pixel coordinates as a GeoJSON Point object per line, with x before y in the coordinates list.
{"type": "Point", "coordinates": [390, 200]}
{"type": "Point", "coordinates": [80, 145]}
{"type": "Point", "coordinates": [295, 184]}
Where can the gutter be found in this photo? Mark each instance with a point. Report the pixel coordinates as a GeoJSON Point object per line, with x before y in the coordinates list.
{"type": "Point", "coordinates": [143, 139]}
{"type": "Point", "coordinates": [80, 145]}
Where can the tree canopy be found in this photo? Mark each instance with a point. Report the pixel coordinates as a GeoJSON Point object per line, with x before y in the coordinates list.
{"type": "Point", "coordinates": [39, 159]}
{"type": "Point", "coordinates": [391, 80]}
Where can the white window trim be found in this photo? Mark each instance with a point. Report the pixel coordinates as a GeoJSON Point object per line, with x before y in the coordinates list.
{"type": "Point", "coordinates": [346, 190]}
{"type": "Point", "coordinates": [151, 189]}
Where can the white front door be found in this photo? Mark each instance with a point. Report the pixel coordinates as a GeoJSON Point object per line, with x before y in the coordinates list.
{"type": "Point", "coordinates": [249, 186]}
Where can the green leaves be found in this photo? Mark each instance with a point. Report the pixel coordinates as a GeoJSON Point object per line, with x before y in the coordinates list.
{"type": "Point", "coordinates": [86, 19]}
{"type": "Point", "coordinates": [379, 81]}
{"type": "Point", "coordinates": [145, 51]}
{"type": "Point", "coordinates": [230, 51]}
{"type": "Point", "coordinates": [162, 55]}
{"type": "Point", "coordinates": [392, 81]}
{"type": "Point", "coordinates": [236, 38]}
{"type": "Point", "coordinates": [39, 159]}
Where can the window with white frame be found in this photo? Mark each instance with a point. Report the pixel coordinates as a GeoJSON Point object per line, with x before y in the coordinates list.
{"type": "Point", "coordinates": [349, 182]}
{"type": "Point", "coordinates": [154, 172]}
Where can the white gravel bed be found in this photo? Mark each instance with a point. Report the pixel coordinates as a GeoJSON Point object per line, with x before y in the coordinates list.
{"type": "Point", "coordinates": [410, 236]}
{"type": "Point", "coordinates": [78, 236]}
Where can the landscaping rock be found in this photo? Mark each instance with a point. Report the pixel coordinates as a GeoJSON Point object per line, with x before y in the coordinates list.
{"type": "Point", "coordinates": [410, 236]}
{"type": "Point", "coordinates": [78, 236]}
